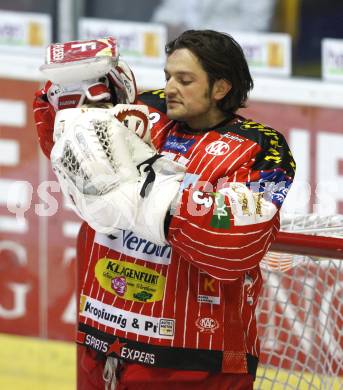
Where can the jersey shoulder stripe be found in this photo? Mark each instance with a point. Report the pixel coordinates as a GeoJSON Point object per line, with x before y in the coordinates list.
{"type": "Point", "coordinates": [274, 152]}
{"type": "Point", "coordinates": [254, 131]}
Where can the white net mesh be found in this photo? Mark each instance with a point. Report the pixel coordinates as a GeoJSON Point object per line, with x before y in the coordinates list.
{"type": "Point", "coordinates": [300, 315]}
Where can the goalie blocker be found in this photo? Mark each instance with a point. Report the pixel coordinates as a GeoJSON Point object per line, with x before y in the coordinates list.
{"type": "Point", "coordinates": [80, 72]}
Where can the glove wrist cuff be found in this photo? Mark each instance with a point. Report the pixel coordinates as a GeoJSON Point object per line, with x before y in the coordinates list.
{"type": "Point", "coordinates": [150, 223]}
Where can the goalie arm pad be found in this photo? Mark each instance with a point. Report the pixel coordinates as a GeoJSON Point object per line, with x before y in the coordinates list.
{"type": "Point", "coordinates": [123, 81]}
{"type": "Point", "coordinates": [46, 103]}
{"type": "Point", "coordinates": [44, 117]}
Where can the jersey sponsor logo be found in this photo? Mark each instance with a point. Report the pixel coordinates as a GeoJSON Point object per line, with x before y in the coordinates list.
{"type": "Point", "coordinates": [95, 343]}
{"type": "Point", "coordinates": [166, 327]}
{"type": "Point", "coordinates": [207, 324]}
{"type": "Point", "coordinates": [97, 311]}
{"type": "Point", "coordinates": [217, 148]}
{"type": "Point", "coordinates": [275, 185]}
{"type": "Point", "coordinates": [178, 144]}
{"type": "Point", "coordinates": [69, 100]}
{"type": "Point", "coordinates": [209, 289]}
{"type": "Point", "coordinates": [234, 138]}
{"type": "Point", "coordinates": [132, 354]}
{"type": "Point", "coordinates": [130, 244]}
{"type": "Point", "coordinates": [115, 318]}
{"type": "Point", "coordinates": [130, 281]}
{"type": "Point", "coordinates": [119, 285]}
{"type": "Point", "coordinates": [135, 355]}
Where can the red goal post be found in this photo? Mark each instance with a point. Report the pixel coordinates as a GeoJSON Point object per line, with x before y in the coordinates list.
{"type": "Point", "coordinates": [308, 245]}
{"type": "Point", "coordinates": [300, 311]}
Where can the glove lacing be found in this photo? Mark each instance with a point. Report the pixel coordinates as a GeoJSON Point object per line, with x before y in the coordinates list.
{"type": "Point", "coordinates": [150, 178]}
{"type": "Point", "coordinates": [109, 373]}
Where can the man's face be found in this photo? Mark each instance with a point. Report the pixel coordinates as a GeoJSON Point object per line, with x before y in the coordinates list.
{"type": "Point", "coordinates": [187, 91]}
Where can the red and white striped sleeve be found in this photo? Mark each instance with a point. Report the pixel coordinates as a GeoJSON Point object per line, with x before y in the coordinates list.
{"type": "Point", "coordinates": [44, 116]}
{"type": "Point", "coordinates": [226, 229]}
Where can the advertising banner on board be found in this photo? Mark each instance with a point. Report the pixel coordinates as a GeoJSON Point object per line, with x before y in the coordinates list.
{"type": "Point", "coordinates": [332, 59]}
{"type": "Point", "coordinates": [268, 54]}
{"type": "Point", "coordinates": [24, 32]}
{"type": "Point", "coordinates": [139, 43]}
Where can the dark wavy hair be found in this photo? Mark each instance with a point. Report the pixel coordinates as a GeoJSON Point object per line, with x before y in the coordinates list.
{"type": "Point", "coordinates": [222, 58]}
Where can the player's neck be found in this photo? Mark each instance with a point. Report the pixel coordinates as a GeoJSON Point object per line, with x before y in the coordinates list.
{"type": "Point", "coordinates": [209, 122]}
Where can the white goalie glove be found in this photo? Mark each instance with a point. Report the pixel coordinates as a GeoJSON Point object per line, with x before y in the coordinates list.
{"type": "Point", "coordinates": [115, 180]}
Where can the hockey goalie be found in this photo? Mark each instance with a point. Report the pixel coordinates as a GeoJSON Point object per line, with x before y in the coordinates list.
{"type": "Point", "coordinates": [172, 188]}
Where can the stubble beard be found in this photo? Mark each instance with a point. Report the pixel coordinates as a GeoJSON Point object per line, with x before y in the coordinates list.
{"type": "Point", "coordinates": [180, 113]}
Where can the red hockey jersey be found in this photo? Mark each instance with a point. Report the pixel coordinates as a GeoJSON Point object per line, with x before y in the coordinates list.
{"type": "Point", "coordinates": [189, 305]}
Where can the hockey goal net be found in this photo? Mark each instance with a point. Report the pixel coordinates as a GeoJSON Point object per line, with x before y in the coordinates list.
{"type": "Point", "coordinates": [300, 312]}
